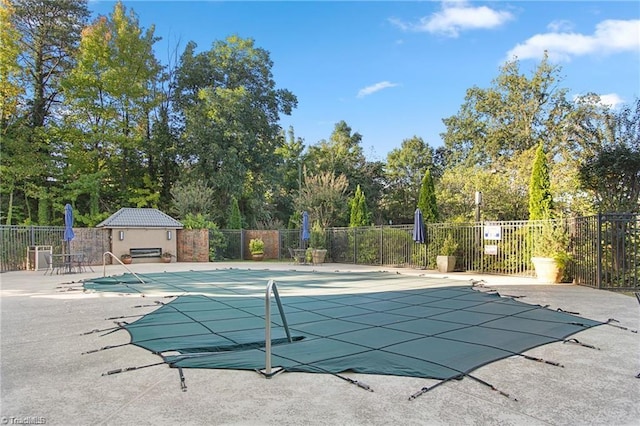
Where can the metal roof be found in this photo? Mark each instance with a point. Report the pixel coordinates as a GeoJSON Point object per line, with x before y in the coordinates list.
{"type": "Point", "coordinates": [128, 217]}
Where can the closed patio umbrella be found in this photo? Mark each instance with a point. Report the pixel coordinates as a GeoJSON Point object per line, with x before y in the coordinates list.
{"type": "Point", "coordinates": [305, 234]}
{"type": "Point", "coordinates": [68, 227]}
{"type": "Point", "coordinates": [418, 227]}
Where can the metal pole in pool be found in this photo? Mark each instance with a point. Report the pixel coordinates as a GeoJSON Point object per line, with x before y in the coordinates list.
{"type": "Point", "coordinates": [267, 329]}
{"type": "Point", "coordinates": [272, 287]}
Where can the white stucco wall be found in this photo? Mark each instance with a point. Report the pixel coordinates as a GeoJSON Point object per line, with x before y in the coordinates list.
{"type": "Point", "coordinates": [143, 238]}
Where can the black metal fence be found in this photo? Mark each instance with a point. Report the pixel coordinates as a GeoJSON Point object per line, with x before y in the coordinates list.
{"type": "Point", "coordinates": [605, 249]}
{"type": "Point", "coordinates": [16, 241]}
{"type": "Point", "coordinates": [394, 246]}
{"type": "Point", "coordinates": [228, 246]}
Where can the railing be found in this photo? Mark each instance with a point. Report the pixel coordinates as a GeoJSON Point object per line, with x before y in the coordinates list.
{"type": "Point", "coordinates": [606, 251]}
{"type": "Point", "coordinates": [605, 248]}
{"type": "Point", "coordinates": [394, 246]}
{"type": "Point", "coordinates": [113, 256]}
{"type": "Point", "coordinates": [232, 246]}
{"type": "Point", "coordinates": [15, 240]}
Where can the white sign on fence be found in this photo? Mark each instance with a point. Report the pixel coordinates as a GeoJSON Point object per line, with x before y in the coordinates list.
{"type": "Point", "coordinates": [492, 232]}
{"type": "Point", "coordinates": [491, 250]}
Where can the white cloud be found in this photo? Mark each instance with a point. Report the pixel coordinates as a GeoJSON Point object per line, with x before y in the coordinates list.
{"type": "Point", "coordinates": [457, 16]}
{"type": "Point", "coordinates": [375, 88]}
{"type": "Point", "coordinates": [611, 100]}
{"type": "Point", "coordinates": [560, 25]}
{"type": "Point", "coordinates": [610, 36]}
{"type": "Point", "coordinates": [400, 24]}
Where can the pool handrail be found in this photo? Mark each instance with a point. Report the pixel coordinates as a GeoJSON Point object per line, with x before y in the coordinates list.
{"type": "Point", "coordinates": [104, 265]}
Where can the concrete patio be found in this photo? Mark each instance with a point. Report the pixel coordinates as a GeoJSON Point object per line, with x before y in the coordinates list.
{"type": "Point", "coordinates": [46, 379]}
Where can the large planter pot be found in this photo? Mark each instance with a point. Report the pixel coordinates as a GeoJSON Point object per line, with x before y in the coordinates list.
{"type": "Point", "coordinates": [166, 259]}
{"type": "Point", "coordinates": [547, 270]}
{"type": "Point", "coordinates": [317, 256]}
{"type": "Point", "coordinates": [257, 256]}
{"type": "Point", "coordinates": [126, 260]}
{"type": "Point", "coordinates": [445, 263]}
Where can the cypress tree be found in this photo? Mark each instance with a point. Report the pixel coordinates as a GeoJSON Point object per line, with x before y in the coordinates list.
{"type": "Point", "coordinates": [359, 213]}
{"type": "Point", "coordinates": [427, 199]}
{"type": "Point", "coordinates": [540, 199]}
{"type": "Point", "coordinates": [235, 217]}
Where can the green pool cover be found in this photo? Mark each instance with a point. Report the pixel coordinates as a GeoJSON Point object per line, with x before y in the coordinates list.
{"type": "Point", "coordinates": [434, 332]}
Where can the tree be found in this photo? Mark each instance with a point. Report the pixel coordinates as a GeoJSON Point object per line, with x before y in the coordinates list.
{"type": "Point", "coordinates": [230, 108]}
{"type": "Point", "coordinates": [10, 70]}
{"type": "Point", "coordinates": [50, 32]}
{"type": "Point", "coordinates": [162, 152]}
{"type": "Point", "coordinates": [540, 198]}
{"type": "Point", "coordinates": [110, 93]}
{"type": "Point", "coordinates": [235, 217]}
{"type": "Point", "coordinates": [323, 196]}
{"type": "Point", "coordinates": [498, 128]}
{"type": "Point", "coordinates": [289, 175]}
{"type": "Point", "coordinates": [343, 154]}
{"type": "Point", "coordinates": [512, 116]}
{"type": "Point", "coordinates": [427, 199]}
{"type": "Point", "coordinates": [612, 175]}
{"type": "Point", "coordinates": [614, 179]}
{"type": "Point", "coordinates": [192, 197]}
{"type": "Point", "coordinates": [14, 164]}
{"type": "Point", "coordinates": [501, 199]}
{"type": "Point", "coordinates": [404, 171]}
{"type": "Point", "coordinates": [45, 34]}
{"type": "Point", "coordinates": [373, 183]}
{"type": "Point", "coordinates": [359, 214]}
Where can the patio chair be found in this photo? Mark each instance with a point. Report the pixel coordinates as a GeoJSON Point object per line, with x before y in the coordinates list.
{"type": "Point", "coordinates": [53, 264]}
{"type": "Point", "coordinates": [295, 259]}
{"type": "Point", "coordinates": [47, 259]}
{"type": "Point", "coordinates": [297, 255]}
{"type": "Point", "coordinates": [81, 263]}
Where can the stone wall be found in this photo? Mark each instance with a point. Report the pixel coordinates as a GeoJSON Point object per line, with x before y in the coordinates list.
{"type": "Point", "coordinates": [93, 242]}
{"type": "Point", "coordinates": [193, 245]}
{"type": "Point", "coordinates": [271, 243]}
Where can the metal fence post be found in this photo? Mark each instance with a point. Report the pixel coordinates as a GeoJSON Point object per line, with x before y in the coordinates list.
{"type": "Point", "coordinates": [599, 251]}
{"type": "Point", "coordinates": [241, 243]}
{"type": "Point", "coordinates": [380, 246]}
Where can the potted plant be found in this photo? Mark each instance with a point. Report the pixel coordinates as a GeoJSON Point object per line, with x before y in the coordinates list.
{"type": "Point", "coordinates": [256, 248]}
{"type": "Point", "coordinates": [126, 258]}
{"type": "Point", "coordinates": [446, 260]}
{"type": "Point", "coordinates": [317, 243]}
{"type": "Point", "coordinates": [549, 253]}
{"type": "Point", "coordinates": [166, 257]}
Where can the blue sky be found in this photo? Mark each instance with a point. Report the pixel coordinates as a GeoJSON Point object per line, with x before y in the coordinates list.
{"type": "Point", "coordinates": [393, 70]}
